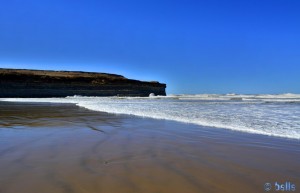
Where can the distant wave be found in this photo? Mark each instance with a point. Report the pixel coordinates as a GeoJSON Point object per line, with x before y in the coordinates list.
{"type": "Point", "coordinates": [287, 97]}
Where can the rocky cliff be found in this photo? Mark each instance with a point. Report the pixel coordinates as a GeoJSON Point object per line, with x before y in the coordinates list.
{"type": "Point", "coordinates": [41, 83]}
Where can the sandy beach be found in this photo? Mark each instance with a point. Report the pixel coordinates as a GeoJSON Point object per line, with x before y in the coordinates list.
{"type": "Point", "coordinates": [63, 148]}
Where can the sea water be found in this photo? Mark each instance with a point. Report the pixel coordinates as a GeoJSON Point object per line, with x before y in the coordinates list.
{"type": "Point", "coordinates": [273, 115]}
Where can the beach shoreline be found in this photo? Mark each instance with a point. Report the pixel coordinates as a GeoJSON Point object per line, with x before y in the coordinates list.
{"type": "Point", "coordinates": [49, 147]}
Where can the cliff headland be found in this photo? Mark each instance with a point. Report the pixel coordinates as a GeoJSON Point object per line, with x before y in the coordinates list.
{"type": "Point", "coordinates": [44, 83]}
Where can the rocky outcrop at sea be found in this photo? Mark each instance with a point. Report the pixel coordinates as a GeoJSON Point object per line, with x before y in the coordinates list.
{"type": "Point", "coordinates": [44, 83]}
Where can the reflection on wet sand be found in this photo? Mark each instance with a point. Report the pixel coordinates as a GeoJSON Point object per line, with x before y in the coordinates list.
{"type": "Point", "coordinates": [64, 148]}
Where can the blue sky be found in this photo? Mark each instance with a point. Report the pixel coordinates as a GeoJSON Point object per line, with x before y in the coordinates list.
{"type": "Point", "coordinates": [193, 46]}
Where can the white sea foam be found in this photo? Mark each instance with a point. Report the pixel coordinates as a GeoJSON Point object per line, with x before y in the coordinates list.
{"type": "Point", "coordinates": [274, 115]}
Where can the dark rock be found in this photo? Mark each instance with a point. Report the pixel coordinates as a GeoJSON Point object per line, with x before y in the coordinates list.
{"type": "Point", "coordinates": [42, 83]}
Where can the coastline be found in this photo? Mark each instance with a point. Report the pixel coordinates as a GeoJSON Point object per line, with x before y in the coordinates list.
{"type": "Point", "coordinates": [66, 148]}
{"type": "Point", "coordinates": [263, 115]}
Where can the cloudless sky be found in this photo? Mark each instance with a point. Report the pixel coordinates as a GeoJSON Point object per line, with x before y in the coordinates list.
{"type": "Point", "coordinates": [209, 46]}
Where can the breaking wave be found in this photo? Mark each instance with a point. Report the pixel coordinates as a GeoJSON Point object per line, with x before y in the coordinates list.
{"type": "Point", "coordinates": [273, 115]}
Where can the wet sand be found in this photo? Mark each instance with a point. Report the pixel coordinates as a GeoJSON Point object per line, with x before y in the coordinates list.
{"type": "Point", "coordinates": [62, 148]}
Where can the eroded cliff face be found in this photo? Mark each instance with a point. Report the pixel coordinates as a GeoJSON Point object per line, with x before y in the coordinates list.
{"type": "Point", "coordinates": [40, 83]}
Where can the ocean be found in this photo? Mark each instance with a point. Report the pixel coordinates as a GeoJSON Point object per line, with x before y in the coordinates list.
{"type": "Point", "coordinates": [272, 115]}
